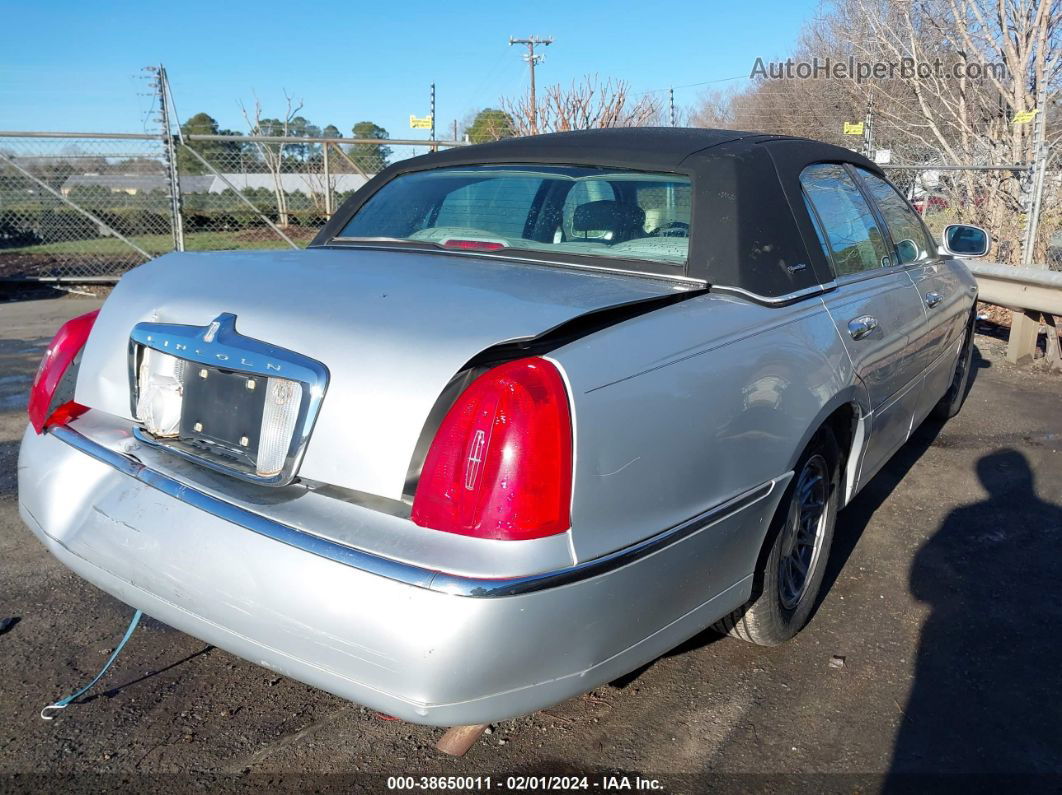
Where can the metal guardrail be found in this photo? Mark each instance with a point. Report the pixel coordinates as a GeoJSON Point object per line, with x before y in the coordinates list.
{"type": "Point", "coordinates": [1024, 288]}
{"type": "Point", "coordinates": [1030, 293]}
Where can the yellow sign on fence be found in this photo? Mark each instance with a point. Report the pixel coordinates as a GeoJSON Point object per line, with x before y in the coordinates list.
{"type": "Point", "coordinates": [1025, 116]}
{"type": "Point", "coordinates": [419, 122]}
{"type": "Point", "coordinates": [853, 128]}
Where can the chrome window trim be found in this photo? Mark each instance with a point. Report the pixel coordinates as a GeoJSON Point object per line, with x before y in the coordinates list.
{"type": "Point", "coordinates": [777, 300]}
{"type": "Point", "coordinates": [862, 276]}
{"type": "Point", "coordinates": [430, 579]}
{"type": "Point", "coordinates": [219, 344]}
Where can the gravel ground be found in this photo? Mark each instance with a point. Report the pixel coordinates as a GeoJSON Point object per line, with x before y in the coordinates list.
{"type": "Point", "coordinates": [942, 599]}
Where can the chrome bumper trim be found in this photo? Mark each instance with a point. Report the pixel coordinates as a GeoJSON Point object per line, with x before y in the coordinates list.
{"type": "Point", "coordinates": [453, 584]}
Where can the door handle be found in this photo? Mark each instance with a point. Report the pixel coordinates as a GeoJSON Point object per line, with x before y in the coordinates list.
{"type": "Point", "coordinates": [860, 327]}
{"type": "Point", "coordinates": [932, 299]}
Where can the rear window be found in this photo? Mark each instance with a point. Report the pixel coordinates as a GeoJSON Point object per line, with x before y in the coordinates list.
{"type": "Point", "coordinates": [564, 210]}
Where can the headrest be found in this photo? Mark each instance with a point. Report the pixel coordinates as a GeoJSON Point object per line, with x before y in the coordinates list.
{"type": "Point", "coordinates": [607, 215]}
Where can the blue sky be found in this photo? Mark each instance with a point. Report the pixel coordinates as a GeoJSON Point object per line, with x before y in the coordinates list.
{"type": "Point", "coordinates": [77, 65]}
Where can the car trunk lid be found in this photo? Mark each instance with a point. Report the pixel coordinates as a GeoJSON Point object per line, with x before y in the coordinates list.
{"type": "Point", "coordinates": [391, 327]}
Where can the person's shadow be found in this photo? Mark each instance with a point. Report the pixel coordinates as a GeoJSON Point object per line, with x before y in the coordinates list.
{"type": "Point", "coordinates": [987, 692]}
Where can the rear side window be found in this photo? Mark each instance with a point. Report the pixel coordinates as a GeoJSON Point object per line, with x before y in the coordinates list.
{"type": "Point", "coordinates": [852, 235]}
{"type": "Point", "coordinates": [909, 235]}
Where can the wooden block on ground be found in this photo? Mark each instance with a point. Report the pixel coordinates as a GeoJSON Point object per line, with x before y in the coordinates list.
{"type": "Point", "coordinates": [458, 739]}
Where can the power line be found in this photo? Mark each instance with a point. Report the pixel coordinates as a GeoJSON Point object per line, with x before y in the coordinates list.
{"type": "Point", "coordinates": [532, 59]}
{"type": "Point", "coordinates": [693, 85]}
{"type": "Point", "coordinates": [486, 79]}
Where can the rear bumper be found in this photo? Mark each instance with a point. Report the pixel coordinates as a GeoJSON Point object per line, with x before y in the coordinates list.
{"type": "Point", "coordinates": [415, 644]}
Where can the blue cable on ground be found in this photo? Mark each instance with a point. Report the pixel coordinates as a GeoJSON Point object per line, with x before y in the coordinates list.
{"type": "Point", "coordinates": [64, 702]}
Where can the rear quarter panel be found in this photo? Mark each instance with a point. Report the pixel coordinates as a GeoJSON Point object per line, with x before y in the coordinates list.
{"type": "Point", "coordinates": [685, 407]}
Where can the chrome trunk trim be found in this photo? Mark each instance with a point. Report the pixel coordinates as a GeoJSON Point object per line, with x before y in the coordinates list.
{"type": "Point", "coordinates": [453, 584]}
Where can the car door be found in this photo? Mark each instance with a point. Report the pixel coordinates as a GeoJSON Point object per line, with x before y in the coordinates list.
{"type": "Point", "coordinates": [943, 292]}
{"type": "Point", "coordinates": [876, 308]}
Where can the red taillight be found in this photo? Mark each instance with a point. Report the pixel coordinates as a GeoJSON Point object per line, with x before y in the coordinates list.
{"type": "Point", "coordinates": [474, 245]}
{"type": "Point", "coordinates": [51, 400]}
{"type": "Point", "coordinates": [501, 463]}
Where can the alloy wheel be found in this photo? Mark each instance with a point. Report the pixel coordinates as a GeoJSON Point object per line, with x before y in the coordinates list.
{"type": "Point", "coordinates": [803, 531]}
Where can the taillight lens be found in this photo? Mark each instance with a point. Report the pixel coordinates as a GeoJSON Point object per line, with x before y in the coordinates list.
{"type": "Point", "coordinates": [51, 396]}
{"type": "Point", "coordinates": [500, 465]}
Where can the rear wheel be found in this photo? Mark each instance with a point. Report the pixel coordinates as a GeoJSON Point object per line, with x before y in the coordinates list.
{"type": "Point", "coordinates": [953, 399]}
{"type": "Point", "coordinates": [792, 567]}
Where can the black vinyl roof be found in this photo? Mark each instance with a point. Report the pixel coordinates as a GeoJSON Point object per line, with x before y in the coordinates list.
{"type": "Point", "coordinates": [628, 147]}
{"type": "Point", "coordinates": [750, 229]}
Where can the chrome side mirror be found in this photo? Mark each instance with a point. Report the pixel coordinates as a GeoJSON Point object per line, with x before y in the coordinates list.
{"type": "Point", "coordinates": [963, 240]}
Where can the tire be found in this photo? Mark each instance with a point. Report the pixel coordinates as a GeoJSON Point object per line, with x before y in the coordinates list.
{"type": "Point", "coordinates": [951, 403]}
{"type": "Point", "coordinates": [780, 607]}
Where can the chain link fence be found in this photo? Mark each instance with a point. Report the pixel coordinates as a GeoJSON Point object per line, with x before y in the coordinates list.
{"type": "Point", "coordinates": [1049, 233]}
{"type": "Point", "coordinates": [88, 207]}
{"type": "Point", "coordinates": [85, 207]}
{"type": "Point", "coordinates": [81, 207]}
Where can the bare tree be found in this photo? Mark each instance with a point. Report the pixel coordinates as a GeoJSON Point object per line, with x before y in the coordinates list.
{"type": "Point", "coordinates": [960, 111]}
{"type": "Point", "coordinates": [972, 66]}
{"type": "Point", "coordinates": [587, 104]}
{"type": "Point", "coordinates": [273, 153]}
{"type": "Point", "coordinates": [790, 107]}
{"type": "Point", "coordinates": [715, 109]}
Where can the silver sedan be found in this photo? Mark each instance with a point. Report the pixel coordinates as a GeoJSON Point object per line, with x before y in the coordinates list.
{"type": "Point", "coordinates": [524, 416]}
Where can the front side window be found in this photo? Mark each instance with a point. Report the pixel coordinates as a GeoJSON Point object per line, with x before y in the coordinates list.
{"type": "Point", "coordinates": [852, 235]}
{"type": "Point", "coordinates": [912, 242]}
{"type": "Point", "coordinates": [564, 210]}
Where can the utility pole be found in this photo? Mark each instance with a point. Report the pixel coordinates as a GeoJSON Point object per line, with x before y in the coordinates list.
{"type": "Point", "coordinates": [532, 59]}
{"type": "Point", "coordinates": [671, 104]}
{"type": "Point", "coordinates": [434, 148]}
{"type": "Point", "coordinates": [1039, 175]}
{"type": "Point", "coordinates": [162, 88]}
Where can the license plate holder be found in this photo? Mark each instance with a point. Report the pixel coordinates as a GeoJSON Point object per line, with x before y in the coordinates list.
{"type": "Point", "coordinates": [222, 411]}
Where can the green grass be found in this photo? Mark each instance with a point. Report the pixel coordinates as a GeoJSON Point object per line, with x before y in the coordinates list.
{"type": "Point", "coordinates": [160, 244]}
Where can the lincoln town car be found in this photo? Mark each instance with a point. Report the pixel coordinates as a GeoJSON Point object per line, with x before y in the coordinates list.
{"type": "Point", "coordinates": [523, 416]}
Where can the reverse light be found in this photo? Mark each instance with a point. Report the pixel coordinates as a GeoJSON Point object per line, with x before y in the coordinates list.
{"type": "Point", "coordinates": [160, 391]}
{"type": "Point", "coordinates": [500, 465]}
{"type": "Point", "coordinates": [281, 411]}
{"type": "Point", "coordinates": [51, 400]}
